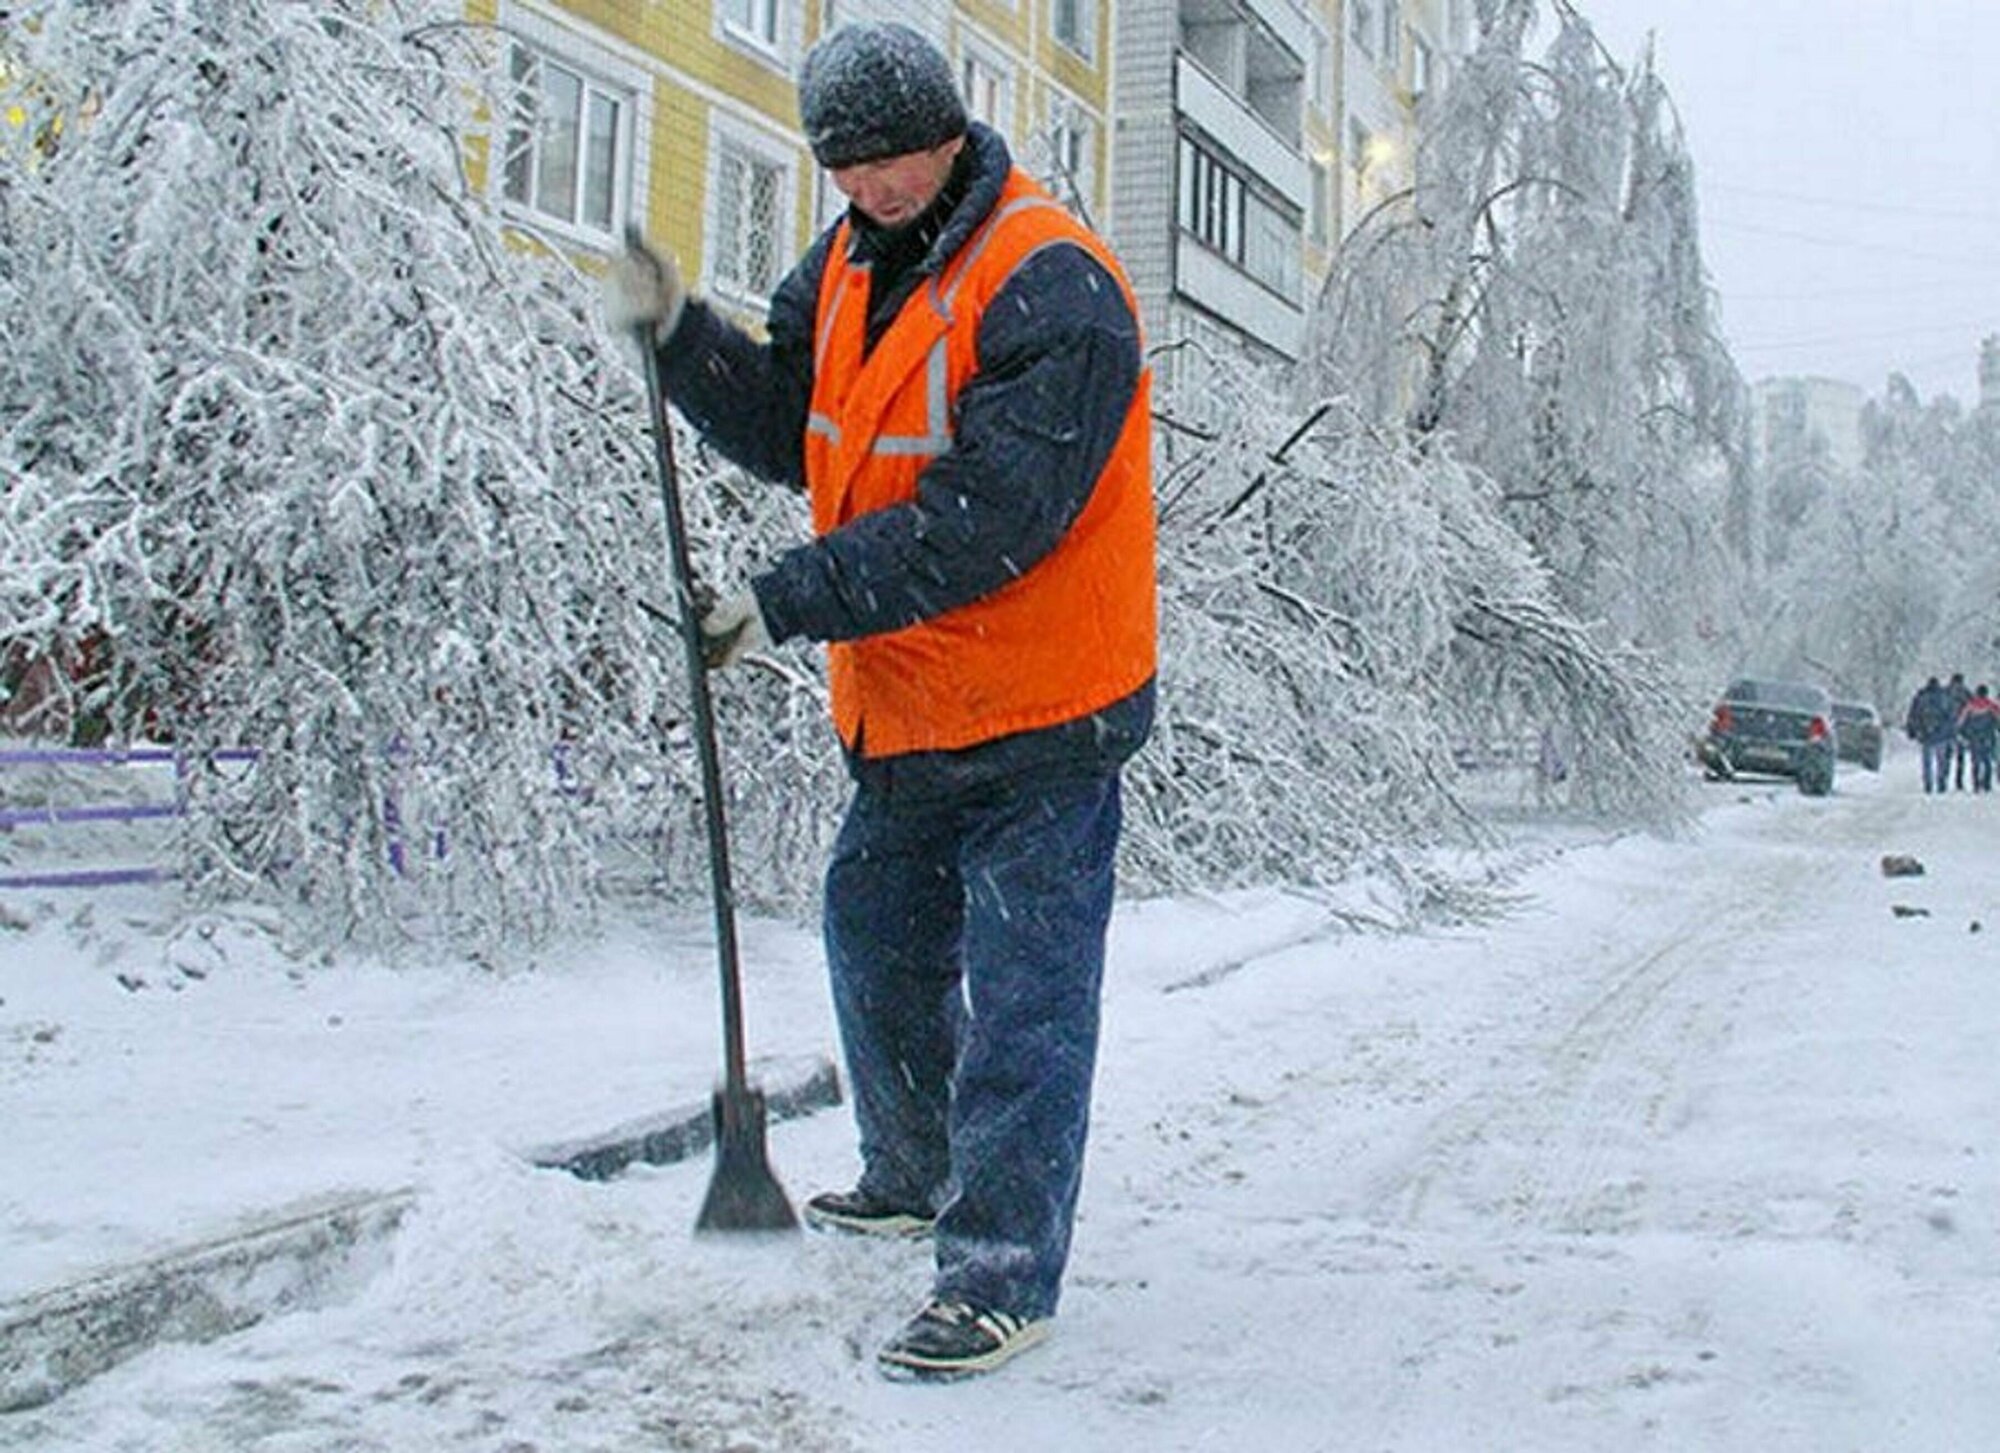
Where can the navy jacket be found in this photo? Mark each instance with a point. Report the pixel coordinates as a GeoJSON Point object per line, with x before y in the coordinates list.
{"type": "Point", "coordinates": [1059, 359]}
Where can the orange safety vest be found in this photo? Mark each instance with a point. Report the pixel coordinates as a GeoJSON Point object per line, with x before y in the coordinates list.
{"type": "Point", "coordinates": [1076, 631]}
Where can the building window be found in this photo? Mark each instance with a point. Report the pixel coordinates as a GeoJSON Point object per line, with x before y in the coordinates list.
{"type": "Point", "coordinates": [1392, 35]}
{"type": "Point", "coordinates": [988, 94]}
{"type": "Point", "coordinates": [1420, 65]}
{"type": "Point", "coordinates": [753, 20]}
{"type": "Point", "coordinates": [1361, 24]}
{"type": "Point", "coordinates": [749, 200]}
{"type": "Point", "coordinates": [1322, 205]}
{"type": "Point", "coordinates": [1229, 216]}
{"type": "Point", "coordinates": [1358, 143]}
{"type": "Point", "coordinates": [1074, 25]}
{"type": "Point", "coordinates": [1072, 154]}
{"type": "Point", "coordinates": [1271, 246]}
{"type": "Point", "coordinates": [568, 144]}
{"type": "Point", "coordinates": [1320, 86]}
{"type": "Point", "coordinates": [1211, 201]}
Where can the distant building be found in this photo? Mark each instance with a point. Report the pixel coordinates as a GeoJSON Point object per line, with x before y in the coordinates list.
{"type": "Point", "coordinates": [1989, 373]}
{"type": "Point", "coordinates": [1789, 413]}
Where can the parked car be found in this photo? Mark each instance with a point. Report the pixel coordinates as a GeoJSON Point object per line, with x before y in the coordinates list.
{"type": "Point", "coordinates": [1857, 734]}
{"type": "Point", "coordinates": [1774, 728]}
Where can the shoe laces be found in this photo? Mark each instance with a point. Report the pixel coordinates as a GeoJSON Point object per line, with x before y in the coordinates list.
{"type": "Point", "coordinates": [999, 1325]}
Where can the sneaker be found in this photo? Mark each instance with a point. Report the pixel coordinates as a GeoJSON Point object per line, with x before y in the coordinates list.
{"type": "Point", "coordinates": [956, 1339]}
{"type": "Point", "coordinates": [860, 1213]}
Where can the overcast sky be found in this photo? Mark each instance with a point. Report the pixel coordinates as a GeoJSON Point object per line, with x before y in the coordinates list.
{"type": "Point", "coordinates": [1848, 156]}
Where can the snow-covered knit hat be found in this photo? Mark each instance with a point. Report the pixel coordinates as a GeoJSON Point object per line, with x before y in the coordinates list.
{"type": "Point", "coordinates": [870, 91]}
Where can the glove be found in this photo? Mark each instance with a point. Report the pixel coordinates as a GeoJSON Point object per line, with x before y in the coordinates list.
{"type": "Point", "coordinates": [642, 289]}
{"type": "Point", "coordinates": [732, 629]}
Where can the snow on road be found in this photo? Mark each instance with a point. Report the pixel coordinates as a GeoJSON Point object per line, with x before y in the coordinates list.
{"type": "Point", "coordinates": [1692, 1150]}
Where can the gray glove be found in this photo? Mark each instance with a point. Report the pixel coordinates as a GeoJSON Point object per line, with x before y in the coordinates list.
{"type": "Point", "coordinates": [732, 629]}
{"type": "Point", "coordinates": [642, 289]}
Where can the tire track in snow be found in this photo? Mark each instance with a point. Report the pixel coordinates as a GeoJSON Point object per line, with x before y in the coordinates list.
{"type": "Point", "coordinates": [1554, 1136]}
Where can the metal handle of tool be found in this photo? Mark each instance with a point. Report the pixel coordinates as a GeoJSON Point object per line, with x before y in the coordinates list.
{"type": "Point", "coordinates": [744, 1194]}
{"type": "Point", "coordinates": [704, 721]}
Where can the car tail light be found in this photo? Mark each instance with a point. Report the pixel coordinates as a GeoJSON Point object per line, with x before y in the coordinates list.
{"type": "Point", "coordinates": [1817, 730]}
{"type": "Point", "coordinates": [1725, 720]}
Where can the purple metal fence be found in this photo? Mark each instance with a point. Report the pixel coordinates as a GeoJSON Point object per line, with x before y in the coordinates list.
{"type": "Point", "coordinates": [16, 817]}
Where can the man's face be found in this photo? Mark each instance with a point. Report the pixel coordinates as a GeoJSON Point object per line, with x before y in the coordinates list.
{"type": "Point", "coordinates": [894, 191]}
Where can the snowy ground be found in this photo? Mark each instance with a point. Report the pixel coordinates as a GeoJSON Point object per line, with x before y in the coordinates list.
{"type": "Point", "coordinates": [1692, 1152]}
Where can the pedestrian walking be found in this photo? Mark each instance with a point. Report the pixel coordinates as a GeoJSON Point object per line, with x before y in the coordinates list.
{"type": "Point", "coordinates": [1933, 725]}
{"type": "Point", "coordinates": [1957, 693]}
{"type": "Point", "coordinates": [1979, 732]}
{"type": "Point", "coordinates": [954, 375]}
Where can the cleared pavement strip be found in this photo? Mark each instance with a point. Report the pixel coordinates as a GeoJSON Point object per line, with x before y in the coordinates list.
{"type": "Point", "coordinates": [308, 1255]}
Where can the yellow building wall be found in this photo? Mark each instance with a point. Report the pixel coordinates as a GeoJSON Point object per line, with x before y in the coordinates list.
{"type": "Point", "coordinates": [695, 74]}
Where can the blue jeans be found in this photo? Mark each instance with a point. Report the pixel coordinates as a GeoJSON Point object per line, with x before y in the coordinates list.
{"type": "Point", "coordinates": [965, 938]}
{"type": "Point", "coordinates": [1982, 765]}
{"type": "Point", "coordinates": [1937, 765]}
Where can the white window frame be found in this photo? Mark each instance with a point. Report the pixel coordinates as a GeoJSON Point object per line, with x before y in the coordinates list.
{"type": "Point", "coordinates": [603, 74]}
{"type": "Point", "coordinates": [1069, 125]}
{"type": "Point", "coordinates": [763, 25]}
{"type": "Point", "coordinates": [1361, 24]}
{"type": "Point", "coordinates": [770, 34]}
{"type": "Point", "coordinates": [982, 67]}
{"type": "Point", "coordinates": [729, 139]}
{"type": "Point", "coordinates": [1210, 205]}
{"type": "Point", "coordinates": [1084, 43]}
{"type": "Point", "coordinates": [1423, 62]}
{"type": "Point", "coordinates": [1320, 85]}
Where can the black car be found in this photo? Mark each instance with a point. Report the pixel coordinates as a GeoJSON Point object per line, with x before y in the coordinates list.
{"type": "Point", "coordinates": [1776, 728]}
{"type": "Point", "coordinates": [1857, 734]}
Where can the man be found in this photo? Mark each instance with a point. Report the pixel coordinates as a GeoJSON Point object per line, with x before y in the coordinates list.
{"type": "Point", "coordinates": [954, 375]}
{"type": "Point", "coordinates": [1979, 731]}
{"type": "Point", "coordinates": [1933, 725]}
{"type": "Point", "coordinates": [1957, 694]}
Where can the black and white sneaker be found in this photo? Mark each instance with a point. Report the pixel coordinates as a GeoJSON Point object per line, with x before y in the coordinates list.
{"type": "Point", "coordinates": [955, 1339]}
{"type": "Point", "coordinates": [860, 1213]}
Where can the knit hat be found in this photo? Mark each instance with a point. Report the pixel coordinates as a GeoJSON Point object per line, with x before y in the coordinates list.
{"type": "Point", "coordinates": [870, 91]}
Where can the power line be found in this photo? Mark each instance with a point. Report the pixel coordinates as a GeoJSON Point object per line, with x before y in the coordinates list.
{"type": "Point", "coordinates": [1984, 264]}
{"type": "Point", "coordinates": [1849, 204]}
{"type": "Point", "coordinates": [1873, 290]}
{"type": "Point", "coordinates": [1827, 340]}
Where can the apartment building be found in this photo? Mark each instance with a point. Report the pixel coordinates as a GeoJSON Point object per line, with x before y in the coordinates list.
{"type": "Point", "coordinates": [683, 114]}
{"type": "Point", "coordinates": [1394, 53]}
{"type": "Point", "coordinates": [1224, 145]}
{"type": "Point", "coordinates": [1251, 135]}
{"type": "Point", "coordinates": [1793, 415]}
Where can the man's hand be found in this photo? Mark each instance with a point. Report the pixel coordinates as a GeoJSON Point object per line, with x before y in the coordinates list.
{"type": "Point", "coordinates": [732, 629]}
{"type": "Point", "coordinates": [643, 289]}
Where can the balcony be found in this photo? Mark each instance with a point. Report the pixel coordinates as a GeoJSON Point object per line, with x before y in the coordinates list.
{"type": "Point", "coordinates": [1232, 295]}
{"type": "Point", "coordinates": [1228, 119]}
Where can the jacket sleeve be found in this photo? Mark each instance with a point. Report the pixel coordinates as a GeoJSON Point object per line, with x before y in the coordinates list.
{"type": "Point", "coordinates": [749, 397]}
{"type": "Point", "coordinates": [1058, 363]}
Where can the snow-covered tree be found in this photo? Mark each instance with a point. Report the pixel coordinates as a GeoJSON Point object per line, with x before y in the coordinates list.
{"type": "Point", "coordinates": [324, 465]}
{"type": "Point", "coordinates": [1346, 614]}
{"type": "Point", "coordinates": [1882, 587]}
{"type": "Point", "coordinates": [1536, 303]}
